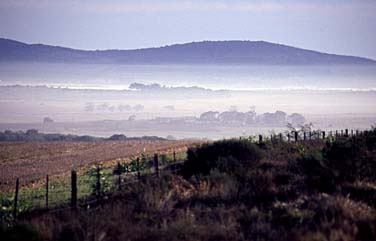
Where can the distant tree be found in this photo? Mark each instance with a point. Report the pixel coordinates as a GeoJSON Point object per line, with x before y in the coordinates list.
{"type": "Point", "coordinates": [124, 108]}
{"type": "Point", "coordinates": [277, 118]}
{"type": "Point", "coordinates": [296, 119]}
{"type": "Point", "coordinates": [117, 137]}
{"type": "Point", "coordinates": [48, 120]}
{"type": "Point", "coordinates": [209, 116]}
{"type": "Point", "coordinates": [89, 107]}
{"type": "Point", "coordinates": [138, 107]}
{"type": "Point", "coordinates": [169, 107]}
{"type": "Point", "coordinates": [32, 132]}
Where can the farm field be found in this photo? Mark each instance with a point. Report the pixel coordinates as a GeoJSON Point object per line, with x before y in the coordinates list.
{"type": "Point", "coordinates": [31, 161]}
{"type": "Point", "coordinates": [234, 189]}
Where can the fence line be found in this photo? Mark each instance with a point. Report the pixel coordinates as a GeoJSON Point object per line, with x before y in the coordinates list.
{"type": "Point", "coordinates": [83, 189]}
{"type": "Point", "coordinates": [89, 192]}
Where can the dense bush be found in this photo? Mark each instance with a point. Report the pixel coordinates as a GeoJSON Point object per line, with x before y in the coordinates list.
{"type": "Point", "coordinates": [317, 175]}
{"type": "Point", "coordinates": [344, 158]}
{"type": "Point", "coordinates": [352, 158]}
{"type": "Point", "coordinates": [227, 155]}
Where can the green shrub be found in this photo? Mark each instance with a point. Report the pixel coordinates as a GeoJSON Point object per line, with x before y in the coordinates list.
{"type": "Point", "coordinates": [226, 155]}
{"type": "Point", "coordinates": [343, 156]}
{"type": "Point", "coordinates": [258, 188]}
{"type": "Point", "coordinates": [353, 158]}
{"type": "Point", "coordinates": [317, 175]}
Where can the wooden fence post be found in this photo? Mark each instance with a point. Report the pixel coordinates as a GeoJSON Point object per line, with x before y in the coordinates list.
{"type": "Point", "coordinates": [260, 139]}
{"type": "Point", "coordinates": [16, 199]}
{"type": "Point", "coordinates": [304, 136]}
{"type": "Point", "coordinates": [156, 166]}
{"type": "Point", "coordinates": [346, 132]}
{"type": "Point", "coordinates": [174, 163]}
{"type": "Point", "coordinates": [74, 189]}
{"type": "Point", "coordinates": [119, 177]}
{"type": "Point", "coordinates": [138, 169]}
{"type": "Point", "coordinates": [98, 184]}
{"type": "Point", "coordinates": [323, 135]}
{"type": "Point", "coordinates": [296, 136]}
{"type": "Point", "coordinates": [46, 191]}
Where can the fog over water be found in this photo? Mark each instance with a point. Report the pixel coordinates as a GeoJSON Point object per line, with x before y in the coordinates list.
{"type": "Point", "coordinates": [234, 77]}
{"type": "Point", "coordinates": [329, 96]}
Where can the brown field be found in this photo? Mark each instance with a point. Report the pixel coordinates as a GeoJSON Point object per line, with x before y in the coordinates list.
{"type": "Point", "coordinates": [31, 161]}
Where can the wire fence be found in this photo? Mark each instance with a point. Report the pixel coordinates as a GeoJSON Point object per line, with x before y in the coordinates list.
{"type": "Point", "coordinates": [87, 187]}
{"type": "Point", "coordinates": [84, 188]}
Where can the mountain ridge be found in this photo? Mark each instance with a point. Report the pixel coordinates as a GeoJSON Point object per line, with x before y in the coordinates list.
{"type": "Point", "coordinates": [203, 52]}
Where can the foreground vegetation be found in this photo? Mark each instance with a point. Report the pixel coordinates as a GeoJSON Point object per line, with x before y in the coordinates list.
{"type": "Point", "coordinates": [235, 190]}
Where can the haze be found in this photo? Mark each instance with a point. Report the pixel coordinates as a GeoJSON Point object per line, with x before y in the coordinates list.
{"type": "Point", "coordinates": [210, 89]}
{"type": "Point", "coordinates": [342, 27]}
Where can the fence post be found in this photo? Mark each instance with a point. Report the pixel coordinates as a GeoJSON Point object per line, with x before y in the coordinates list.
{"type": "Point", "coordinates": [46, 191]}
{"type": "Point", "coordinates": [156, 167]}
{"type": "Point", "coordinates": [16, 199]}
{"type": "Point", "coordinates": [352, 132]}
{"type": "Point", "coordinates": [174, 164]}
{"type": "Point", "coordinates": [346, 132]}
{"type": "Point", "coordinates": [119, 173]}
{"type": "Point", "coordinates": [304, 136]}
{"type": "Point", "coordinates": [323, 135]}
{"type": "Point", "coordinates": [98, 184]}
{"type": "Point", "coordinates": [296, 136]}
{"type": "Point", "coordinates": [138, 169]}
{"type": "Point", "coordinates": [260, 139]}
{"type": "Point", "coordinates": [73, 189]}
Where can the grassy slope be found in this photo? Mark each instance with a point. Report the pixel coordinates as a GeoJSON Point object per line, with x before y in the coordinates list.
{"type": "Point", "coordinates": [298, 191]}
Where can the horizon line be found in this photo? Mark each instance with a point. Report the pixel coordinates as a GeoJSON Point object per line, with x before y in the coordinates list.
{"type": "Point", "coordinates": [186, 43]}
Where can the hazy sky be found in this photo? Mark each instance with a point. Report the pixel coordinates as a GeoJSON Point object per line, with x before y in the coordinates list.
{"type": "Point", "coordinates": [335, 26]}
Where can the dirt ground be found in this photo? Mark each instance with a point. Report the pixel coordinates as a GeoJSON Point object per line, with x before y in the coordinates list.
{"type": "Point", "coordinates": [31, 161]}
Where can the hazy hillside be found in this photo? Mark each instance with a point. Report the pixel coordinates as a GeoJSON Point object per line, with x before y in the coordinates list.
{"type": "Point", "coordinates": [208, 52]}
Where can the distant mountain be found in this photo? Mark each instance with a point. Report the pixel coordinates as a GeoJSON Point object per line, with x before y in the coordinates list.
{"type": "Point", "coordinates": [207, 52]}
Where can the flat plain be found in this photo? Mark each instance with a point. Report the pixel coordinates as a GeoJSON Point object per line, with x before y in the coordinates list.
{"type": "Point", "coordinates": [31, 161]}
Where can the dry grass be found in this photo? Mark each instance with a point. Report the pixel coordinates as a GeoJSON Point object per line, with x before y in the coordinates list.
{"type": "Point", "coordinates": [293, 192]}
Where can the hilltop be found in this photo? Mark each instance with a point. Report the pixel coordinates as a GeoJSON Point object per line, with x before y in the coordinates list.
{"type": "Point", "coordinates": [206, 52]}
